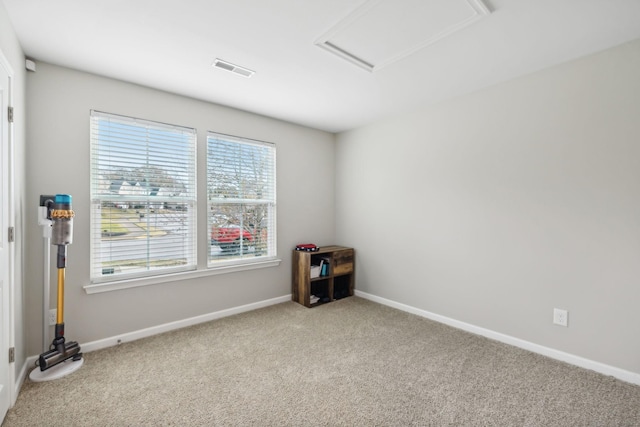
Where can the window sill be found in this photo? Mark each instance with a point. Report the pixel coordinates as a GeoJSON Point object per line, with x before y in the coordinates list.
{"type": "Point", "coordinates": [95, 288]}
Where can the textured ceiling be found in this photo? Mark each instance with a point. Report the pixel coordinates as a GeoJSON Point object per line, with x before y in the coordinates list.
{"type": "Point", "coordinates": [171, 45]}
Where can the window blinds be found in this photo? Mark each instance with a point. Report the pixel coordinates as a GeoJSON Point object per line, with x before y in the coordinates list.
{"type": "Point", "coordinates": [241, 194]}
{"type": "Point", "coordinates": [143, 197]}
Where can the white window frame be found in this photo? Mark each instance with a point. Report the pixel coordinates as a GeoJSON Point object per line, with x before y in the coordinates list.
{"type": "Point", "coordinates": [149, 154]}
{"type": "Point", "coordinates": [194, 270]}
{"type": "Point", "coordinates": [266, 250]}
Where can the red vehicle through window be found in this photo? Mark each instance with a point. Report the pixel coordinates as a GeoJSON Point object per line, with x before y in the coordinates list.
{"type": "Point", "coordinates": [231, 238]}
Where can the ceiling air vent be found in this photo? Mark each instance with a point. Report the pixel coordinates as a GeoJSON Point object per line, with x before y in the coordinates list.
{"type": "Point", "coordinates": [244, 72]}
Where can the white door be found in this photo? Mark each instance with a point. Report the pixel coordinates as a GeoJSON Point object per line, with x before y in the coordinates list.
{"type": "Point", "coordinates": [5, 264]}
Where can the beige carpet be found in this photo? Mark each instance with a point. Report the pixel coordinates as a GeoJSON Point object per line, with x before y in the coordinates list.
{"type": "Point", "coordinates": [348, 363]}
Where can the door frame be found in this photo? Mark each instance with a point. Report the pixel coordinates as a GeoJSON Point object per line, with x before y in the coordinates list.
{"type": "Point", "coordinates": [11, 377]}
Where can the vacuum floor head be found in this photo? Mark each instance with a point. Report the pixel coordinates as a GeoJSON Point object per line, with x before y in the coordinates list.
{"type": "Point", "coordinates": [68, 350]}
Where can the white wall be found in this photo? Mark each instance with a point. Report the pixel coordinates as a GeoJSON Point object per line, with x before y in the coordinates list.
{"type": "Point", "coordinates": [59, 101]}
{"type": "Point", "coordinates": [496, 207]}
{"type": "Point", "coordinates": [11, 50]}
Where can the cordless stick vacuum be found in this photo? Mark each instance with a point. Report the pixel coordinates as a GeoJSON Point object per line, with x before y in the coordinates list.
{"type": "Point", "coordinates": [60, 351]}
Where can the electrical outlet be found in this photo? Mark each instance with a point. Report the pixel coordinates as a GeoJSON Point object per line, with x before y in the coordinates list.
{"type": "Point", "coordinates": [53, 316]}
{"type": "Point", "coordinates": [560, 317]}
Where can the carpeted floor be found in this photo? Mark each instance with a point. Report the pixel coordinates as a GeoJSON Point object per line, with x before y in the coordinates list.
{"type": "Point", "coordinates": [349, 363]}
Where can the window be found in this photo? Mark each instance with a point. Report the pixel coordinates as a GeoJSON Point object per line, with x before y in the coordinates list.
{"type": "Point", "coordinates": [241, 194]}
{"type": "Point", "coordinates": [143, 198]}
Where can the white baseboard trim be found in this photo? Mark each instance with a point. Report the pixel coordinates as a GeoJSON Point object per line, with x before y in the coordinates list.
{"type": "Point", "coordinates": [166, 327]}
{"type": "Point", "coordinates": [24, 371]}
{"type": "Point", "coordinates": [621, 374]}
{"type": "Point", "coordinates": [155, 330]}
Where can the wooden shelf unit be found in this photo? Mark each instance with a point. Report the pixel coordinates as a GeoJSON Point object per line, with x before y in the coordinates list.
{"type": "Point", "coordinates": [339, 282]}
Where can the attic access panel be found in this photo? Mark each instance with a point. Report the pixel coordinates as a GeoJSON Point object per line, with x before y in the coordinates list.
{"type": "Point", "coordinates": [381, 32]}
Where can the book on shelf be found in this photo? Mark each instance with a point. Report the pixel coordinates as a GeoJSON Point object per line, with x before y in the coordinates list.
{"type": "Point", "coordinates": [316, 270]}
{"type": "Point", "coordinates": [324, 266]}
